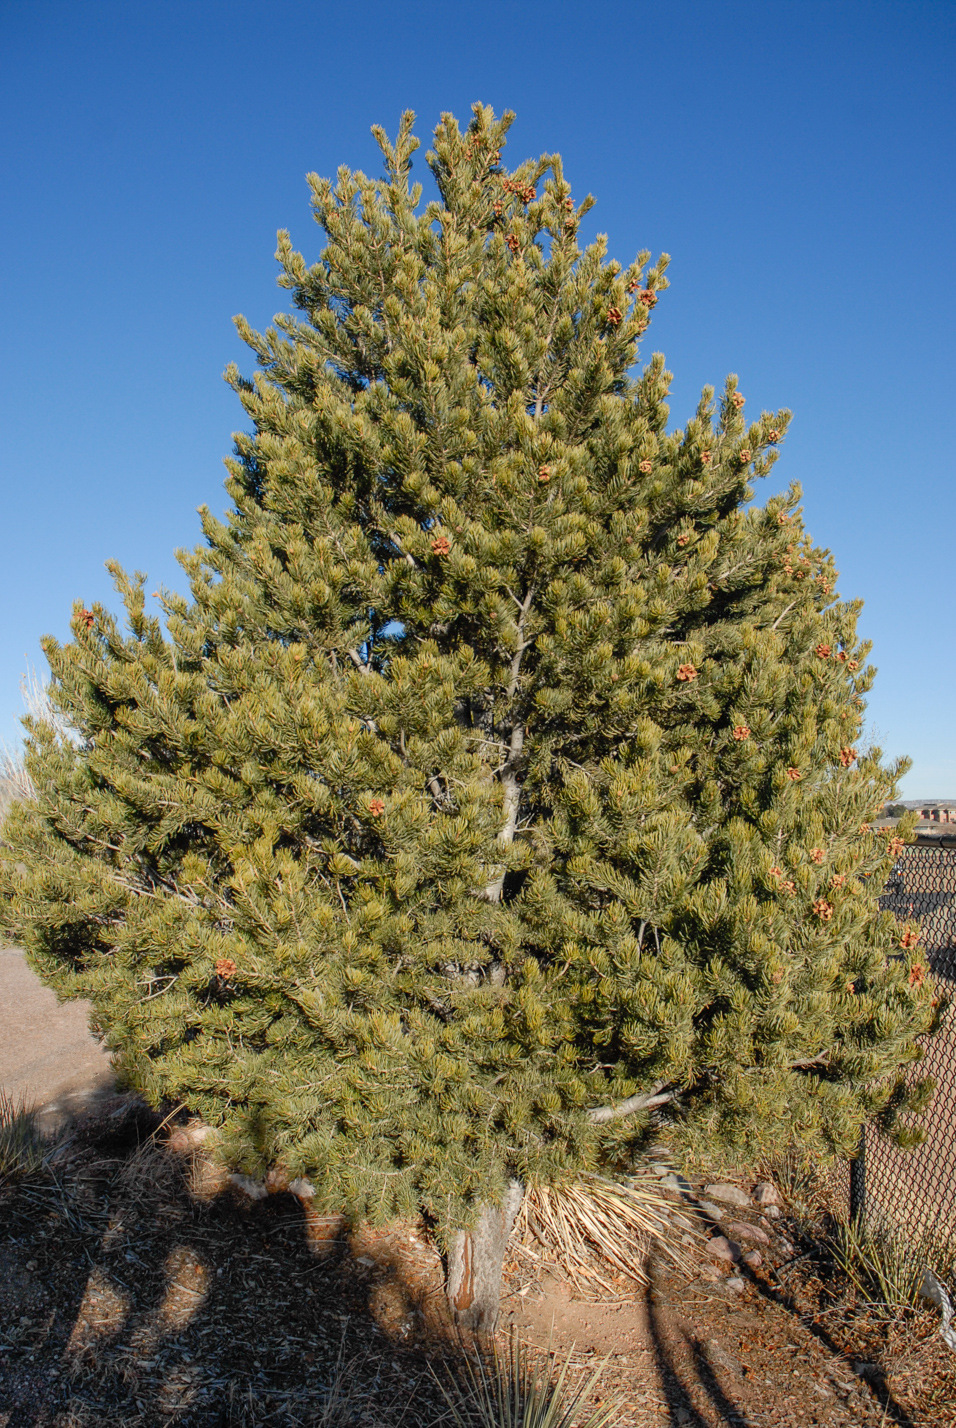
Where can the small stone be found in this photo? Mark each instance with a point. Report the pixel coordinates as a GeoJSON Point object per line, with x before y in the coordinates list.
{"type": "Point", "coordinates": [735, 1284]}
{"type": "Point", "coordinates": [709, 1272]}
{"type": "Point", "coordinates": [753, 1260]}
{"type": "Point", "coordinates": [721, 1248]}
{"type": "Point", "coordinates": [687, 1239]}
{"type": "Point", "coordinates": [673, 1181]}
{"type": "Point", "coordinates": [716, 1212]}
{"type": "Point", "coordinates": [786, 1247]}
{"type": "Point", "coordinates": [730, 1194]}
{"type": "Point", "coordinates": [774, 1211]}
{"type": "Point", "coordinates": [748, 1232]}
{"type": "Point", "coordinates": [767, 1194]}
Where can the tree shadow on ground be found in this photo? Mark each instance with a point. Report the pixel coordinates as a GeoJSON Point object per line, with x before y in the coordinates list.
{"type": "Point", "coordinates": [130, 1300]}
{"type": "Point", "coordinates": [683, 1389]}
{"type": "Point", "coordinates": [874, 1379]}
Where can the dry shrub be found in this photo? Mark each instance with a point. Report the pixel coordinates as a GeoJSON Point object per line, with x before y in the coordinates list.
{"type": "Point", "coordinates": [596, 1226]}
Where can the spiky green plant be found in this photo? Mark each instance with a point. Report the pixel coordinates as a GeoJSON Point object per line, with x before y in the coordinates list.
{"type": "Point", "coordinates": [887, 1267]}
{"type": "Point", "coordinates": [508, 1391]}
{"type": "Point", "coordinates": [23, 1149]}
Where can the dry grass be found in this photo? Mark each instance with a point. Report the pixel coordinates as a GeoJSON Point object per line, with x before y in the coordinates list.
{"type": "Point", "coordinates": [596, 1228]}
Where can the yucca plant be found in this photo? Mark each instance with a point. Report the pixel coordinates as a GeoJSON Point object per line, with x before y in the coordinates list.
{"type": "Point", "coordinates": [597, 1226]}
{"type": "Point", "coordinates": [887, 1268]}
{"type": "Point", "coordinates": [509, 1391]}
{"type": "Point", "coordinates": [23, 1149]}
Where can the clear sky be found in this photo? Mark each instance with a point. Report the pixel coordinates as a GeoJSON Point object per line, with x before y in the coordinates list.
{"type": "Point", "coordinates": [795, 158]}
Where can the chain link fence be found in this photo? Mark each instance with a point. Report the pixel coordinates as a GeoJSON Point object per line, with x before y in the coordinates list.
{"type": "Point", "coordinates": [913, 1192]}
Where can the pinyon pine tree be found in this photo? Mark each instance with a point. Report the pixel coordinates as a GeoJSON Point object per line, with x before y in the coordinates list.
{"type": "Point", "coordinates": [496, 802]}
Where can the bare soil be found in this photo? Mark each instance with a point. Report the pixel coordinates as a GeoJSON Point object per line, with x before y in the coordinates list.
{"type": "Point", "coordinates": [136, 1290]}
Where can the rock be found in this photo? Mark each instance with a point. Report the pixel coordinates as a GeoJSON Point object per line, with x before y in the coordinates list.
{"type": "Point", "coordinates": [786, 1247]}
{"type": "Point", "coordinates": [753, 1260]}
{"type": "Point", "coordinates": [188, 1137]}
{"type": "Point", "coordinates": [683, 1222]}
{"type": "Point", "coordinates": [729, 1194]}
{"type": "Point", "coordinates": [716, 1212]}
{"type": "Point", "coordinates": [709, 1272]}
{"type": "Point", "coordinates": [767, 1194]}
{"type": "Point", "coordinates": [719, 1247]}
{"type": "Point", "coordinates": [735, 1284]}
{"type": "Point", "coordinates": [742, 1231]}
{"type": "Point", "coordinates": [673, 1181]}
{"type": "Point", "coordinates": [253, 1188]}
{"type": "Point", "coordinates": [774, 1211]}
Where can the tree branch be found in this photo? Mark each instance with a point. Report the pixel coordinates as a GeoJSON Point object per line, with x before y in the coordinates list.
{"type": "Point", "coordinates": [599, 1115]}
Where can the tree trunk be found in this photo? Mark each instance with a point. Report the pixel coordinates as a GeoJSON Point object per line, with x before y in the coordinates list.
{"type": "Point", "coordinates": [475, 1262]}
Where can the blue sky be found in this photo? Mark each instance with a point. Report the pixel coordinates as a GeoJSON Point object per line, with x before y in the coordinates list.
{"type": "Point", "coordinates": [795, 159]}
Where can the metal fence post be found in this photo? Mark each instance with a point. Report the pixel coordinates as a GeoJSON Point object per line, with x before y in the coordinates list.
{"type": "Point", "coordinates": [858, 1182]}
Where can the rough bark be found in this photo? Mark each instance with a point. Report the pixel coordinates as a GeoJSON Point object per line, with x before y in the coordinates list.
{"type": "Point", "coordinates": [475, 1263]}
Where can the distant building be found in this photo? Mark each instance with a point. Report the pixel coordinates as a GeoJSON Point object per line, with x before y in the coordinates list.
{"type": "Point", "coordinates": [929, 810]}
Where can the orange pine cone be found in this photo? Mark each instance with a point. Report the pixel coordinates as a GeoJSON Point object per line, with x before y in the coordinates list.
{"type": "Point", "coordinates": [687, 672]}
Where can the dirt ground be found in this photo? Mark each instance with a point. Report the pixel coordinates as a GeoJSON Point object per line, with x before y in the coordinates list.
{"type": "Point", "coordinates": [135, 1290]}
{"type": "Point", "coordinates": [47, 1056]}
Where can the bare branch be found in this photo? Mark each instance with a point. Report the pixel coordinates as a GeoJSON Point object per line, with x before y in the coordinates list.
{"type": "Point", "coordinates": [656, 1097]}
{"type": "Point", "coordinates": [785, 611]}
{"type": "Point", "coordinates": [408, 559]}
